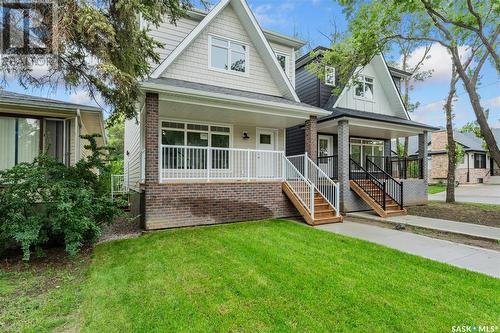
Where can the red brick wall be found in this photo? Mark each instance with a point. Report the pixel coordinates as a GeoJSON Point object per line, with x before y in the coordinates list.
{"type": "Point", "coordinates": [311, 137]}
{"type": "Point", "coordinates": [187, 204]}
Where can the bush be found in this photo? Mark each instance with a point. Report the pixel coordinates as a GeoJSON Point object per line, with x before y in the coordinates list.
{"type": "Point", "coordinates": [46, 200]}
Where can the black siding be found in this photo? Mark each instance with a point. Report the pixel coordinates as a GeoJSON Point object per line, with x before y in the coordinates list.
{"type": "Point", "coordinates": [295, 140]}
{"type": "Point", "coordinates": [306, 86]}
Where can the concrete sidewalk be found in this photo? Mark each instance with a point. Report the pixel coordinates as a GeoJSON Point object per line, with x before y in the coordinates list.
{"type": "Point", "coordinates": [472, 258]}
{"type": "Point", "coordinates": [461, 228]}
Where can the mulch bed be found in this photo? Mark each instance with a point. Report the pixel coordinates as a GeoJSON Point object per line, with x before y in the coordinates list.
{"type": "Point", "coordinates": [459, 212]}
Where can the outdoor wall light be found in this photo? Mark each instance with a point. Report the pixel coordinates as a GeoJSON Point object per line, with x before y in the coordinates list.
{"type": "Point", "coordinates": [245, 136]}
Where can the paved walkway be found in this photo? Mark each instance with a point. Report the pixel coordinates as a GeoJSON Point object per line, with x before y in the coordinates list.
{"type": "Point", "coordinates": [469, 257]}
{"type": "Point", "coordinates": [462, 228]}
{"type": "Point", "coordinates": [479, 193]}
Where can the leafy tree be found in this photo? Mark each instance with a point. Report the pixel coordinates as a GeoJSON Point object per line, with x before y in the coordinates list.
{"type": "Point", "coordinates": [101, 47]}
{"type": "Point", "coordinates": [115, 134]}
{"type": "Point", "coordinates": [472, 24]}
{"type": "Point", "coordinates": [47, 201]}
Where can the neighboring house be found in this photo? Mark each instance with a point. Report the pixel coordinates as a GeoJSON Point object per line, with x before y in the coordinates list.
{"type": "Point", "coordinates": [208, 142]}
{"type": "Point", "coordinates": [30, 125]}
{"type": "Point", "coordinates": [475, 166]}
{"type": "Point", "coordinates": [353, 143]}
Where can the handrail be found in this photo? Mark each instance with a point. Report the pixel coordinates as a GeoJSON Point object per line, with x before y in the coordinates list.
{"type": "Point", "coordinates": [374, 188]}
{"type": "Point", "coordinates": [394, 189]}
{"type": "Point", "coordinates": [400, 167]}
{"type": "Point", "coordinates": [324, 185]}
{"type": "Point", "coordinates": [291, 173]}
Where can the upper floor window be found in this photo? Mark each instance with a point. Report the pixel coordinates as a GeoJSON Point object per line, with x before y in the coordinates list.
{"type": "Point", "coordinates": [330, 76]}
{"type": "Point", "coordinates": [364, 87]}
{"type": "Point", "coordinates": [283, 61]}
{"type": "Point", "coordinates": [228, 55]}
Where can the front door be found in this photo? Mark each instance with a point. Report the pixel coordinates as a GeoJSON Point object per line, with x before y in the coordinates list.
{"type": "Point", "coordinates": [325, 152]}
{"type": "Point", "coordinates": [266, 139]}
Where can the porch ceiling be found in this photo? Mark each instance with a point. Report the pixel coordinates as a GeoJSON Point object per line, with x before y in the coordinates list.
{"type": "Point", "coordinates": [371, 129]}
{"type": "Point", "coordinates": [224, 112]}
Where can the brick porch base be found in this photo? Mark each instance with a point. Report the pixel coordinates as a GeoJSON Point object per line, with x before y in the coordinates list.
{"type": "Point", "coordinates": [188, 204]}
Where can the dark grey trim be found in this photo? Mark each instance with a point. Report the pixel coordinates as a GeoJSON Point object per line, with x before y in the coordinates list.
{"type": "Point", "coordinates": [9, 98]}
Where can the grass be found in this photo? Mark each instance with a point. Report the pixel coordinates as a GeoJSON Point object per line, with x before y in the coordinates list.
{"type": "Point", "coordinates": [267, 276]}
{"type": "Point", "coordinates": [43, 296]}
{"type": "Point", "coordinates": [436, 188]}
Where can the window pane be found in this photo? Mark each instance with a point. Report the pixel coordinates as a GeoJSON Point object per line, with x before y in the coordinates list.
{"type": "Point", "coordinates": [323, 147]}
{"type": "Point", "coordinates": [170, 124]}
{"type": "Point", "coordinates": [369, 90]}
{"type": "Point", "coordinates": [219, 42]}
{"type": "Point", "coordinates": [359, 89]}
{"type": "Point", "coordinates": [219, 57]}
{"type": "Point", "coordinates": [54, 139]}
{"type": "Point", "coordinates": [238, 47]}
{"type": "Point", "coordinates": [197, 127]}
{"type": "Point", "coordinates": [28, 139]}
{"type": "Point", "coordinates": [330, 76]}
{"type": "Point", "coordinates": [369, 80]}
{"type": "Point", "coordinates": [356, 153]}
{"type": "Point", "coordinates": [237, 61]}
{"type": "Point", "coordinates": [175, 138]}
{"type": "Point", "coordinates": [220, 129]}
{"type": "Point", "coordinates": [197, 139]}
{"type": "Point", "coordinates": [281, 61]}
{"type": "Point", "coordinates": [265, 139]}
{"type": "Point", "coordinates": [220, 140]}
{"type": "Point", "coordinates": [7, 142]}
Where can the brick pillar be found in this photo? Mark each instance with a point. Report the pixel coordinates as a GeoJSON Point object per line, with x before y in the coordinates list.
{"type": "Point", "coordinates": [151, 139]}
{"type": "Point", "coordinates": [343, 156]}
{"type": "Point", "coordinates": [311, 138]}
{"type": "Point", "coordinates": [423, 152]}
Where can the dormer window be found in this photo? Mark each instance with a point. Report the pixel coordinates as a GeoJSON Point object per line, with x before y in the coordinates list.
{"type": "Point", "coordinates": [329, 76]}
{"type": "Point", "coordinates": [283, 61]}
{"type": "Point", "coordinates": [364, 87]}
{"type": "Point", "coordinates": [228, 55]}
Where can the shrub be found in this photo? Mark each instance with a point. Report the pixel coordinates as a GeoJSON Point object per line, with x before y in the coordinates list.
{"type": "Point", "coordinates": [46, 200]}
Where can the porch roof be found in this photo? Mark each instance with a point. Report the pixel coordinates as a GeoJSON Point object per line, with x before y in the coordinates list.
{"type": "Point", "coordinates": [339, 113]}
{"type": "Point", "coordinates": [206, 91]}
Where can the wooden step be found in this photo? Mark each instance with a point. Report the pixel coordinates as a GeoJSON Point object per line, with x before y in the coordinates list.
{"type": "Point", "coordinates": [392, 208]}
{"type": "Point", "coordinates": [323, 212]}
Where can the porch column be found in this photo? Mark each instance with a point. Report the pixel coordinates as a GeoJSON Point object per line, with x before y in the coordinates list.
{"type": "Point", "coordinates": [311, 138]}
{"type": "Point", "coordinates": [151, 139]}
{"type": "Point", "coordinates": [343, 161]}
{"type": "Point", "coordinates": [422, 153]}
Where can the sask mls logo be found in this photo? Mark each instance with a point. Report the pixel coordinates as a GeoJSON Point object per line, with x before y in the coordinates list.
{"type": "Point", "coordinates": [475, 329]}
{"type": "Point", "coordinates": [27, 27]}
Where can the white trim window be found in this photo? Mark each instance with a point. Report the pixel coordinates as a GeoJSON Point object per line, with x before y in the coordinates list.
{"type": "Point", "coordinates": [364, 87]}
{"type": "Point", "coordinates": [283, 60]}
{"type": "Point", "coordinates": [330, 76]}
{"type": "Point", "coordinates": [227, 55]}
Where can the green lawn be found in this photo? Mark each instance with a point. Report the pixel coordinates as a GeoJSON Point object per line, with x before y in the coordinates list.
{"type": "Point", "coordinates": [268, 276]}
{"type": "Point", "coordinates": [437, 188]}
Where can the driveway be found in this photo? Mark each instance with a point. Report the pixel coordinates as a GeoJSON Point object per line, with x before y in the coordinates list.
{"type": "Point", "coordinates": [460, 255]}
{"type": "Point", "coordinates": [478, 193]}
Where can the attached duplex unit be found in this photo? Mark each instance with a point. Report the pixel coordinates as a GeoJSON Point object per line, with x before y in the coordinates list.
{"type": "Point", "coordinates": [222, 107]}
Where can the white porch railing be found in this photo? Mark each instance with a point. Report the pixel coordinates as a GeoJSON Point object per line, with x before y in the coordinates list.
{"type": "Point", "coordinates": [303, 188]}
{"type": "Point", "coordinates": [205, 163]}
{"type": "Point", "coordinates": [118, 185]}
{"type": "Point", "coordinates": [313, 173]}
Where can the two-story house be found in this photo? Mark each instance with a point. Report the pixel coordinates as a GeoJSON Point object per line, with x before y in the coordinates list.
{"type": "Point", "coordinates": [208, 143]}
{"type": "Point", "coordinates": [353, 143]}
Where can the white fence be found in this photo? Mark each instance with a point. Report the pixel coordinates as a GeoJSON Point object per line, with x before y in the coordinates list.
{"type": "Point", "coordinates": [184, 162]}
{"type": "Point", "coordinates": [118, 185]}
{"type": "Point", "coordinates": [303, 188]}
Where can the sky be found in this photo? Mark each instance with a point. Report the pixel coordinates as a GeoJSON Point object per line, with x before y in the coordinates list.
{"type": "Point", "coordinates": [313, 21]}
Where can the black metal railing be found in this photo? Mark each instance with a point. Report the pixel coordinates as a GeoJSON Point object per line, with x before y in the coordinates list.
{"type": "Point", "coordinates": [329, 165]}
{"type": "Point", "coordinates": [368, 182]}
{"type": "Point", "coordinates": [393, 188]}
{"type": "Point", "coordinates": [400, 167]}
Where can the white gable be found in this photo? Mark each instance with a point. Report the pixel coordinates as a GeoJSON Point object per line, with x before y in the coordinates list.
{"type": "Point", "coordinates": [192, 63]}
{"type": "Point", "coordinates": [386, 99]}
{"type": "Point", "coordinates": [229, 18]}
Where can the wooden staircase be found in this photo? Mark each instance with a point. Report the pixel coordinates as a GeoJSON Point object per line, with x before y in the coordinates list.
{"type": "Point", "coordinates": [323, 212]}
{"type": "Point", "coordinates": [367, 190]}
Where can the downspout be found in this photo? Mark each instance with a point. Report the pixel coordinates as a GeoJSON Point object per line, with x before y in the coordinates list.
{"type": "Point", "coordinates": [78, 123]}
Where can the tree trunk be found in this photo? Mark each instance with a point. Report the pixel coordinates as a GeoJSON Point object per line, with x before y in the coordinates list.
{"type": "Point", "coordinates": [470, 87]}
{"type": "Point", "coordinates": [452, 158]}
